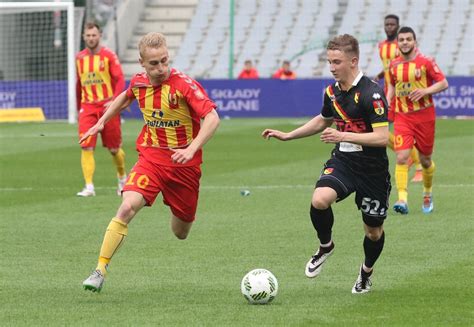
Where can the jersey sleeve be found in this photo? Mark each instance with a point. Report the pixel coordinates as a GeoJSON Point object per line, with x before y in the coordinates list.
{"type": "Point", "coordinates": [129, 92]}
{"type": "Point", "coordinates": [115, 69]}
{"type": "Point", "coordinates": [375, 104]}
{"type": "Point", "coordinates": [196, 96]}
{"type": "Point", "coordinates": [326, 111]}
{"type": "Point", "coordinates": [433, 70]}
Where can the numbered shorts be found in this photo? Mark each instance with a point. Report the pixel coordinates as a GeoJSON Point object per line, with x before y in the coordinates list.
{"type": "Point", "coordinates": [415, 129]}
{"type": "Point", "coordinates": [372, 190]}
{"type": "Point", "coordinates": [111, 135]}
{"type": "Point", "coordinates": [178, 185]}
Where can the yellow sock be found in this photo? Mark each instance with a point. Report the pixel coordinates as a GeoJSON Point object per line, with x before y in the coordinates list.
{"type": "Point", "coordinates": [428, 178]}
{"type": "Point", "coordinates": [88, 165]}
{"type": "Point", "coordinates": [114, 237]}
{"type": "Point", "coordinates": [119, 161]}
{"type": "Point", "coordinates": [391, 140]}
{"type": "Point", "coordinates": [401, 179]}
{"type": "Point", "coordinates": [415, 158]}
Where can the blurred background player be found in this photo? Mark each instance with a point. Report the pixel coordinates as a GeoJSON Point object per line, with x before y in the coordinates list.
{"type": "Point", "coordinates": [414, 78]}
{"type": "Point", "coordinates": [358, 162]}
{"type": "Point", "coordinates": [388, 50]}
{"type": "Point", "coordinates": [169, 147]}
{"type": "Point", "coordinates": [285, 71]}
{"type": "Point", "coordinates": [99, 81]}
{"type": "Point", "coordinates": [249, 72]}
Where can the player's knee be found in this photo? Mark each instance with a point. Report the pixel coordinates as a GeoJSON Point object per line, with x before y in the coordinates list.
{"type": "Point", "coordinates": [127, 211]}
{"type": "Point", "coordinates": [374, 234]}
{"type": "Point", "coordinates": [113, 151]}
{"type": "Point", "coordinates": [320, 203]}
{"type": "Point", "coordinates": [181, 235]}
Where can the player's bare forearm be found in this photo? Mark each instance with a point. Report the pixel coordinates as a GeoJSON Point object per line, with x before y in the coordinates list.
{"type": "Point", "coordinates": [209, 126]}
{"type": "Point", "coordinates": [417, 94]}
{"type": "Point", "coordinates": [314, 126]}
{"type": "Point", "coordinates": [117, 105]}
{"type": "Point", "coordinates": [377, 138]}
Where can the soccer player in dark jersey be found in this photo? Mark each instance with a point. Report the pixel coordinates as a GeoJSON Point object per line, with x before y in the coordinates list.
{"type": "Point", "coordinates": [169, 145]}
{"type": "Point", "coordinates": [388, 51]}
{"type": "Point", "coordinates": [358, 163]}
{"type": "Point", "coordinates": [414, 79]}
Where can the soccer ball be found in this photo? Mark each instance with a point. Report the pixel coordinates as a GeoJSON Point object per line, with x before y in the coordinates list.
{"type": "Point", "coordinates": [259, 286]}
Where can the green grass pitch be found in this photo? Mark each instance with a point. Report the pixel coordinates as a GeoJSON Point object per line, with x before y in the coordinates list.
{"type": "Point", "coordinates": [49, 238]}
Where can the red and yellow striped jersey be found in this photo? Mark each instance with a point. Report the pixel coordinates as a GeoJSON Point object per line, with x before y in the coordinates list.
{"type": "Point", "coordinates": [99, 77]}
{"type": "Point", "coordinates": [388, 50]}
{"type": "Point", "coordinates": [172, 112]}
{"type": "Point", "coordinates": [406, 76]}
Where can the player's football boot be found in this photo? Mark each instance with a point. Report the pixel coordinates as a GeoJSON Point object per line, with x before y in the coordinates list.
{"type": "Point", "coordinates": [401, 207]}
{"type": "Point", "coordinates": [427, 203]}
{"type": "Point", "coordinates": [315, 264]}
{"type": "Point", "coordinates": [94, 282]}
{"type": "Point", "coordinates": [363, 283]}
{"type": "Point", "coordinates": [121, 184]}
{"type": "Point", "coordinates": [418, 177]}
{"type": "Point", "coordinates": [86, 192]}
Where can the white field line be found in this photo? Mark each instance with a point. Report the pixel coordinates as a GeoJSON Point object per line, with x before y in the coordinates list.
{"type": "Point", "coordinates": [209, 187]}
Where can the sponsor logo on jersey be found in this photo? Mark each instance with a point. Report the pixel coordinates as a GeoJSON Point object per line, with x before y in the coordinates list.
{"type": "Point", "coordinates": [356, 97]}
{"type": "Point", "coordinates": [376, 96]}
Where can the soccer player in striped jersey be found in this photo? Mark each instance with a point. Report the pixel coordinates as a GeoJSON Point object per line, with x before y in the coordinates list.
{"type": "Point", "coordinates": [169, 147]}
{"type": "Point", "coordinates": [99, 81]}
{"type": "Point", "coordinates": [388, 50]}
{"type": "Point", "coordinates": [414, 78]}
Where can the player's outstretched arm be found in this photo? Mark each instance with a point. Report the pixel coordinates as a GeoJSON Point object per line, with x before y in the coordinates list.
{"type": "Point", "coordinates": [209, 126]}
{"type": "Point", "coordinates": [314, 126]}
{"type": "Point", "coordinates": [120, 102]}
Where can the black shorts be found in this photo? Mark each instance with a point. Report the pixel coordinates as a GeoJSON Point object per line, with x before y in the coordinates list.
{"type": "Point", "coordinates": [372, 189]}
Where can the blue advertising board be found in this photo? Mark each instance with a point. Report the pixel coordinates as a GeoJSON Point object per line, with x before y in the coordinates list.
{"type": "Point", "coordinates": [236, 98]}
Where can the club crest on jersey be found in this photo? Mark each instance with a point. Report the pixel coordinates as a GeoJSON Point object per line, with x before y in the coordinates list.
{"type": "Point", "coordinates": [328, 171]}
{"type": "Point", "coordinates": [173, 100]}
{"type": "Point", "coordinates": [356, 97]}
{"type": "Point", "coordinates": [378, 107]}
{"type": "Point", "coordinates": [417, 73]}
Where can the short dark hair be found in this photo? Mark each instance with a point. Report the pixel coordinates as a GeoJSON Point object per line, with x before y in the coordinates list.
{"type": "Point", "coordinates": [248, 61]}
{"type": "Point", "coordinates": [286, 62]}
{"type": "Point", "coordinates": [345, 43]}
{"type": "Point", "coordinates": [90, 25]}
{"type": "Point", "coordinates": [406, 29]}
{"type": "Point", "coordinates": [393, 17]}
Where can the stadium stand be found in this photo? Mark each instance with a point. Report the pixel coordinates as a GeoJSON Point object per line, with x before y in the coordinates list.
{"type": "Point", "coordinates": [269, 31]}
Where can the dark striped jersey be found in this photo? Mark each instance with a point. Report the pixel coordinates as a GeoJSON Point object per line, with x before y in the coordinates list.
{"type": "Point", "coordinates": [359, 110]}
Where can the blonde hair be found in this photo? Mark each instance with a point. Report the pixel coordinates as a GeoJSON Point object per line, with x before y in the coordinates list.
{"type": "Point", "coordinates": [153, 40]}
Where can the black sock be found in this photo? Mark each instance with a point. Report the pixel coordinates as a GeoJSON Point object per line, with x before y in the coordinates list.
{"type": "Point", "coordinates": [322, 221]}
{"type": "Point", "coordinates": [372, 250]}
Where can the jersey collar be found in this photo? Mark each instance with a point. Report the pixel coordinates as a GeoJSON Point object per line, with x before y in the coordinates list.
{"type": "Point", "coordinates": [355, 82]}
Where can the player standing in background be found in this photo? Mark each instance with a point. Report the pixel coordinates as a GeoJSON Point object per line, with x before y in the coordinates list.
{"type": "Point", "coordinates": [388, 50]}
{"type": "Point", "coordinates": [414, 78]}
{"type": "Point", "coordinates": [285, 71]}
{"type": "Point", "coordinates": [249, 71]}
{"type": "Point", "coordinates": [99, 81]}
{"type": "Point", "coordinates": [359, 161]}
{"type": "Point", "coordinates": [169, 147]}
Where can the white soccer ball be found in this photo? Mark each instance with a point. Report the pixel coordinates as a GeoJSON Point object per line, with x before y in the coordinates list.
{"type": "Point", "coordinates": [259, 286]}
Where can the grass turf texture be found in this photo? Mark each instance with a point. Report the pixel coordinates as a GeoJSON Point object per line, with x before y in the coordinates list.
{"type": "Point", "coordinates": [50, 238]}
